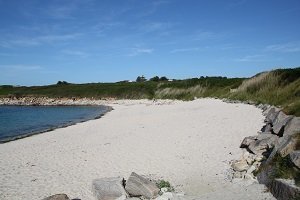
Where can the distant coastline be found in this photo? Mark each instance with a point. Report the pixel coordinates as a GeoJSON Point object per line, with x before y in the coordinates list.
{"type": "Point", "coordinates": [46, 101]}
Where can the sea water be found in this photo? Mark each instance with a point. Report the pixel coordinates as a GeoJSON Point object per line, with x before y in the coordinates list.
{"type": "Point", "coordinates": [22, 121]}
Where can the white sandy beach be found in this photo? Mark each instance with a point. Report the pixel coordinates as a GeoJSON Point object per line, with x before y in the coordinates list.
{"type": "Point", "coordinates": [189, 144]}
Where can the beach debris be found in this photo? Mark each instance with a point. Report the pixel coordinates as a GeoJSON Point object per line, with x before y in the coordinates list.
{"type": "Point", "coordinates": [137, 185]}
{"type": "Point", "coordinates": [57, 197]}
{"type": "Point", "coordinates": [109, 189]}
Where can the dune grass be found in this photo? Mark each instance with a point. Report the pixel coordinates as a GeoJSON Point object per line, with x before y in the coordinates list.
{"type": "Point", "coordinates": [279, 87]}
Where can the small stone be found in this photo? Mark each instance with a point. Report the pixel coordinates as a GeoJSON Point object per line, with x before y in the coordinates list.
{"type": "Point", "coordinates": [259, 158]}
{"type": "Point", "coordinates": [240, 166]}
{"type": "Point", "coordinates": [249, 176]}
{"type": "Point", "coordinates": [251, 169]}
{"type": "Point", "coordinates": [163, 190]}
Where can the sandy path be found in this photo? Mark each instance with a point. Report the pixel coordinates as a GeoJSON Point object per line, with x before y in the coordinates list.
{"type": "Point", "coordinates": [187, 143]}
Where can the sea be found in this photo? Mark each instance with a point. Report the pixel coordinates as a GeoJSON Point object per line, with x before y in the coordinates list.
{"type": "Point", "coordinates": [17, 122]}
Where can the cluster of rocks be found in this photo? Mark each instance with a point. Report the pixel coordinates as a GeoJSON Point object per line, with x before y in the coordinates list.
{"type": "Point", "coordinates": [46, 101]}
{"type": "Point", "coordinates": [278, 137]}
{"type": "Point", "coordinates": [135, 188]}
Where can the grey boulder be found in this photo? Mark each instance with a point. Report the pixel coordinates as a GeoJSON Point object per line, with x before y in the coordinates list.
{"type": "Point", "coordinates": [259, 147]}
{"type": "Point", "coordinates": [109, 189]}
{"type": "Point", "coordinates": [292, 127]}
{"type": "Point", "coordinates": [280, 123]}
{"type": "Point", "coordinates": [57, 197]}
{"type": "Point", "coordinates": [286, 146]}
{"type": "Point", "coordinates": [272, 114]}
{"type": "Point", "coordinates": [139, 186]}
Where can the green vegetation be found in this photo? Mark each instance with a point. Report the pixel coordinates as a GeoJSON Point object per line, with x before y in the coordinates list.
{"type": "Point", "coordinates": [279, 87]}
{"type": "Point", "coordinates": [284, 168]}
{"type": "Point", "coordinates": [165, 184]}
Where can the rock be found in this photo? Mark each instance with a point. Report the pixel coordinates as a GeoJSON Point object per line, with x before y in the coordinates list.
{"type": "Point", "coordinates": [140, 186]}
{"type": "Point", "coordinates": [292, 127]}
{"type": "Point", "coordinates": [265, 107]}
{"type": "Point", "coordinates": [267, 128]}
{"type": "Point", "coordinates": [286, 146]}
{"type": "Point", "coordinates": [266, 111]}
{"type": "Point", "coordinates": [284, 189]}
{"type": "Point", "coordinates": [259, 158]}
{"type": "Point", "coordinates": [280, 123]}
{"type": "Point", "coordinates": [248, 157]}
{"type": "Point", "coordinates": [249, 176]}
{"type": "Point", "coordinates": [264, 136]}
{"type": "Point", "coordinates": [259, 147]}
{"type": "Point", "coordinates": [109, 189]}
{"type": "Point", "coordinates": [247, 140]}
{"type": "Point", "coordinates": [251, 169]}
{"type": "Point", "coordinates": [163, 190]}
{"type": "Point", "coordinates": [240, 165]}
{"type": "Point", "coordinates": [57, 197]}
{"type": "Point", "coordinates": [256, 164]}
{"type": "Point", "coordinates": [295, 158]}
{"type": "Point", "coordinates": [272, 114]}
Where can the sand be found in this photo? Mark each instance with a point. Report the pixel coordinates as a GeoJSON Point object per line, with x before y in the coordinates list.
{"type": "Point", "coordinates": [190, 144]}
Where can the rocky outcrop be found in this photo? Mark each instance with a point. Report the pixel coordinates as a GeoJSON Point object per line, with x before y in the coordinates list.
{"type": "Point", "coordinates": [140, 186]}
{"type": "Point", "coordinates": [277, 142]}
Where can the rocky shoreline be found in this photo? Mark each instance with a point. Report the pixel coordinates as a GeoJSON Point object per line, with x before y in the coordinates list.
{"type": "Point", "coordinates": [46, 101]}
{"type": "Point", "coordinates": [277, 140]}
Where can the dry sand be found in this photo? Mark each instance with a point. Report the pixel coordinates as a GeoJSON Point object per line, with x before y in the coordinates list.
{"type": "Point", "coordinates": [189, 144]}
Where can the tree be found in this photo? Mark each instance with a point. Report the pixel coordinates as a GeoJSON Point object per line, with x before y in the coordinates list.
{"type": "Point", "coordinates": [155, 78]}
{"type": "Point", "coordinates": [62, 83]}
{"type": "Point", "coordinates": [141, 79]}
{"type": "Point", "coordinates": [163, 78]}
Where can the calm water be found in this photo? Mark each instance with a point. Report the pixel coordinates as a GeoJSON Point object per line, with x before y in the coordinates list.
{"type": "Point", "coordinates": [21, 121]}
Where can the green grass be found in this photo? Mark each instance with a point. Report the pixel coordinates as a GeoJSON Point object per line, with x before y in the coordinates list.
{"type": "Point", "coordinates": [279, 87]}
{"type": "Point", "coordinates": [165, 184]}
{"type": "Point", "coordinates": [284, 168]}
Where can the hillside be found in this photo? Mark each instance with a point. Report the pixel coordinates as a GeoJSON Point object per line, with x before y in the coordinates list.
{"type": "Point", "coordinates": [279, 87]}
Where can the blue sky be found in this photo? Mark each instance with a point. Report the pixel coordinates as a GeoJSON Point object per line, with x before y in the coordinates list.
{"type": "Point", "coordinates": [80, 41]}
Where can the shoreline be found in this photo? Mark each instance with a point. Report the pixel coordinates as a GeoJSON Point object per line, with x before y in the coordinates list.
{"type": "Point", "coordinates": [190, 144]}
{"type": "Point", "coordinates": [30, 134]}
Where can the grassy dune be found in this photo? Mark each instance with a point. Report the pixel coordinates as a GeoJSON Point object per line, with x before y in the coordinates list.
{"type": "Point", "coordinates": [279, 87]}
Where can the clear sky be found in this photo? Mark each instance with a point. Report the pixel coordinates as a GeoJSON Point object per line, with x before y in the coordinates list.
{"type": "Point", "coordinates": [43, 41]}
